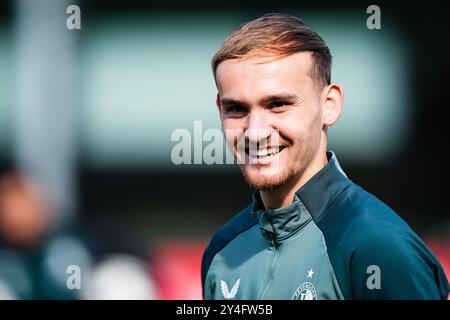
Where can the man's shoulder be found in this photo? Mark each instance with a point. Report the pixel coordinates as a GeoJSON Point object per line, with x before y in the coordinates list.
{"type": "Point", "coordinates": [366, 235]}
{"type": "Point", "coordinates": [359, 224]}
{"type": "Point", "coordinates": [362, 212]}
{"type": "Point", "coordinates": [240, 222]}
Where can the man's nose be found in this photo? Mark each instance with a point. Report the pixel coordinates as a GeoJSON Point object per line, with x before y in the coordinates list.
{"type": "Point", "coordinates": [258, 126]}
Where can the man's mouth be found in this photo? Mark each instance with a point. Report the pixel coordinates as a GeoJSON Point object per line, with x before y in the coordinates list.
{"type": "Point", "coordinates": [262, 155]}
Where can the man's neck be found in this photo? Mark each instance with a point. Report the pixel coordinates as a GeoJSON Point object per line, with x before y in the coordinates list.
{"type": "Point", "coordinates": [284, 196]}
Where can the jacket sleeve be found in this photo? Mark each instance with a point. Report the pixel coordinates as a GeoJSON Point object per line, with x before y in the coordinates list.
{"type": "Point", "coordinates": [396, 267]}
{"type": "Point", "coordinates": [239, 223]}
{"type": "Point", "coordinates": [206, 262]}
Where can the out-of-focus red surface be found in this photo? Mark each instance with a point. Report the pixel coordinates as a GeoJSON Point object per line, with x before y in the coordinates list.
{"type": "Point", "coordinates": [441, 249]}
{"type": "Point", "coordinates": [176, 269]}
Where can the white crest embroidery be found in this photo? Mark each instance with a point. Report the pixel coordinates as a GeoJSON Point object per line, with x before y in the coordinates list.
{"type": "Point", "coordinates": [229, 294]}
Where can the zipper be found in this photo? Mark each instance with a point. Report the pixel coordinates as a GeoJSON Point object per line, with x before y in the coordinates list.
{"type": "Point", "coordinates": [271, 266]}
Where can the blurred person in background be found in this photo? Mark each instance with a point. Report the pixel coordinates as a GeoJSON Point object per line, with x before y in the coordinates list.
{"type": "Point", "coordinates": [34, 253]}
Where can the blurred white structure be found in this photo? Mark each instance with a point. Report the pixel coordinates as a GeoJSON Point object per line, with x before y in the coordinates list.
{"type": "Point", "coordinates": [119, 277]}
{"type": "Point", "coordinates": [44, 99]}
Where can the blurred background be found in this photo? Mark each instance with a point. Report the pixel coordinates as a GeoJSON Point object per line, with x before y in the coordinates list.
{"type": "Point", "coordinates": [86, 117]}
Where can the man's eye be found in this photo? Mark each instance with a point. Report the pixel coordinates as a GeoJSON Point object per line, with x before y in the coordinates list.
{"type": "Point", "coordinates": [277, 104]}
{"type": "Point", "coordinates": [235, 109]}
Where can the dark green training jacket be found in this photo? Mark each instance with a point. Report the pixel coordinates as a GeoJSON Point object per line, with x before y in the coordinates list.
{"type": "Point", "coordinates": [335, 241]}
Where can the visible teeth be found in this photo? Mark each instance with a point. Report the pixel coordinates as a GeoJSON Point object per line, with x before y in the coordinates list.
{"type": "Point", "coordinates": [264, 152]}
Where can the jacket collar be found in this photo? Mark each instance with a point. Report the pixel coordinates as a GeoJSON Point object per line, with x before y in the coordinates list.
{"type": "Point", "coordinates": [310, 202]}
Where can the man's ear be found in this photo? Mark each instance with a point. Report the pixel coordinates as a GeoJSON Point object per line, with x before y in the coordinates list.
{"type": "Point", "coordinates": [333, 99]}
{"type": "Point", "coordinates": [218, 103]}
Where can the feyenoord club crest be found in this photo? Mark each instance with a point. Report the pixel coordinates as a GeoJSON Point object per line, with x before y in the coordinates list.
{"type": "Point", "coordinates": [306, 291]}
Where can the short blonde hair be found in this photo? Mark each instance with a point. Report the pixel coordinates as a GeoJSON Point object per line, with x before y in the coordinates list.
{"type": "Point", "coordinates": [277, 35]}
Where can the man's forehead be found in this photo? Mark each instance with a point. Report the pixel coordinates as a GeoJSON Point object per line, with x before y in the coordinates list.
{"type": "Point", "coordinates": [264, 71]}
{"type": "Point", "coordinates": [301, 60]}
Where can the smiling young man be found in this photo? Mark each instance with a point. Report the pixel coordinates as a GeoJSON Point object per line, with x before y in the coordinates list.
{"type": "Point", "coordinates": [309, 233]}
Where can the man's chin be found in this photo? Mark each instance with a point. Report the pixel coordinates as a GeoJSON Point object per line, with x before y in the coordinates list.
{"type": "Point", "coordinates": [265, 182]}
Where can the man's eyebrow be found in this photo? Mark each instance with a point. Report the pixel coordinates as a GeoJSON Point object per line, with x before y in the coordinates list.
{"type": "Point", "coordinates": [230, 101]}
{"type": "Point", "coordinates": [264, 100]}
{"type": "Point", "coordinates": [278, 97]}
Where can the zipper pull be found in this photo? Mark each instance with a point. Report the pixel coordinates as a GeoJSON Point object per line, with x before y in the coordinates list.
{"type": "Point", "coordinates": [274, 240]}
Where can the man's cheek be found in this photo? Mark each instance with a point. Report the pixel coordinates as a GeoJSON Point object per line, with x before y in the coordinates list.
{"type": "Point", "coordinates": [232, 132]}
